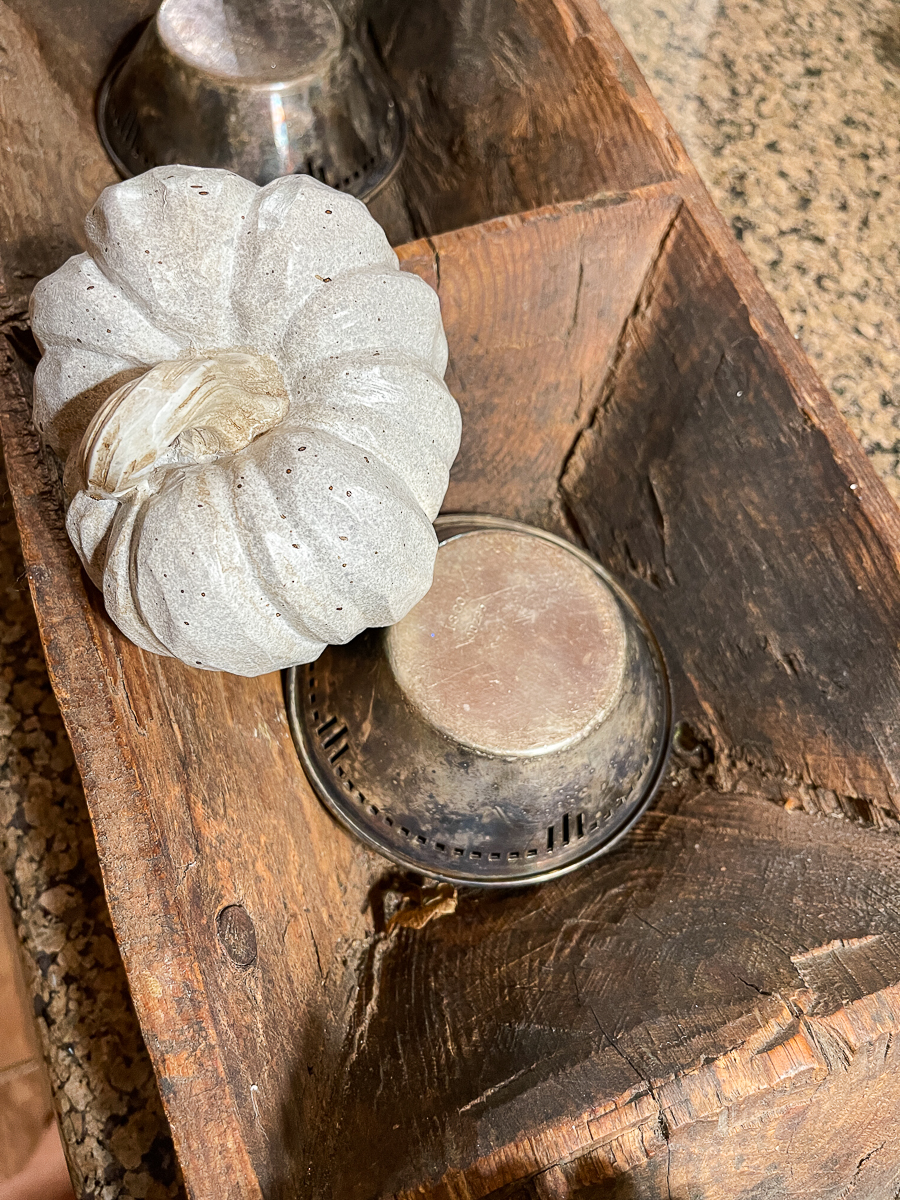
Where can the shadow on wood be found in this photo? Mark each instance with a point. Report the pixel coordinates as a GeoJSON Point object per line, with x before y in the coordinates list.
{"type": "Point", "coordinates": [704, 482]}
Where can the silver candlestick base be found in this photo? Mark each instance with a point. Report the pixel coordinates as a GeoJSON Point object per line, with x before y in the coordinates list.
{"type": "Point", "coordinates": [510, 728]}
{"type": "Point", "coordinates": [259, 89]}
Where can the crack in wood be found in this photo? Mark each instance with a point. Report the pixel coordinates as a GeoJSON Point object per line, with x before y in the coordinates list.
{"type": "Point", "coordinates": [642, 300]}
{"type": "Point", "coordinates": [577, 304]}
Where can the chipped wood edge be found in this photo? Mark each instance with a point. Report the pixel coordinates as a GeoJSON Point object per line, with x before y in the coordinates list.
{"type": "Point", "coordinates": [787, 1060]}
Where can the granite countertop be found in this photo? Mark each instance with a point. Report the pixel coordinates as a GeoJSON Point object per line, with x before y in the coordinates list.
{"type": "Point", "coordinates": [789, 110]}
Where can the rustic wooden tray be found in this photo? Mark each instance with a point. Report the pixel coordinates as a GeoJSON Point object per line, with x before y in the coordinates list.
{"type": "Point", "coordinates": [710, 1010]}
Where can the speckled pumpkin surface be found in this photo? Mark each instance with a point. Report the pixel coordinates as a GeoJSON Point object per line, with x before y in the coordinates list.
{"type": "Point", "coordinates": [249, 398]}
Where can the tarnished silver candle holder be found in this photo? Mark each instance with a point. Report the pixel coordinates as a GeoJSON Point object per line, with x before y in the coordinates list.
{"type": "Point", "coordinates": [512, 727]}
{"type": "Point", "coordinates": [261, 89]}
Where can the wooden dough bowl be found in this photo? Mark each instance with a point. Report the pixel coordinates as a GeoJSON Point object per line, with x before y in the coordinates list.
{"type": "Point", "coordinates": [710, 1010]}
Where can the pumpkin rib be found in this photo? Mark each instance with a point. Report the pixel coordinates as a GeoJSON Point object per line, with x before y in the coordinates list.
{"type": "Point", "coordinates": [347, 319]}
{"type": "Point", "coordinates": [283, 262]}
{"type": "Point", "coordinates": [150, 236]}
{"type": "Point", "coordinates": [70, 384]}
{"type": "Point", "coordinates": [413, 427]}
{"type": "Point", "coordinates": [102, 322]}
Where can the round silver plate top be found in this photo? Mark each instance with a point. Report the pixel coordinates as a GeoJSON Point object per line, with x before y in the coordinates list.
{"type": "Point", "coordinates": [517, 649]}
{"type": "Point", "coordinates": [510, 728]}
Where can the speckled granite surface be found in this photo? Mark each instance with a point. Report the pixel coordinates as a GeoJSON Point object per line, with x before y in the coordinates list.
{"type": "Point", "coordinates": [789, 109]}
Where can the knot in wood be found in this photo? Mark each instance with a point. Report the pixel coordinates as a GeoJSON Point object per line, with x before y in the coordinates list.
{"type": "Point", "coordinates": [237, 934]}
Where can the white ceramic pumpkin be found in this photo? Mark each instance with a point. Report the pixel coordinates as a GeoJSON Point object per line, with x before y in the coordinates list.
{"type": "Point", "coordinates": [249, 397]}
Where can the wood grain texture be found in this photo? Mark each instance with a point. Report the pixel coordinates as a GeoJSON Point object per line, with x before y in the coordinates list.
{"type": "Point", "coordinates": [105, 1092]}
{"type": "Point", "coordinates": [564, 279]}
{"type": "Point", "coordinates": [511, 106]}
{"type": "Point", "coordinates": [501, 67]}
{"type": "Point", "coordinates": [776, 602]}
{"type": "Point", "coordinates": [727, 983]}
{"type": "Point", "coordinates": [59, 168]}
{"type": "Point", "coordinates": [183, 831]}
{"type": "Point", "coordinates": [590, 1044]}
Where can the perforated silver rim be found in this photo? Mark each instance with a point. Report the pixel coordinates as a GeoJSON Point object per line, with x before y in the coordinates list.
{"type": "Point", "coordinates": [321, 739]}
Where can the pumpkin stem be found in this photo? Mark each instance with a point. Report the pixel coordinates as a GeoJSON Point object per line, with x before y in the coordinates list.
{"type": "Point", "coordinates": [182, 412]}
